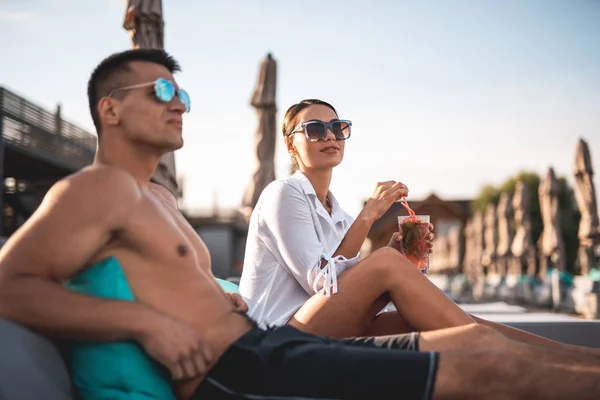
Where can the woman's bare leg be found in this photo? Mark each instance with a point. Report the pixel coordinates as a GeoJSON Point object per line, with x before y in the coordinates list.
{"type": "Point", "coordinates": [361, 295]}
{"type": "Point", "coordinates": [365, 289]}
{"type": "Point", "coordinates": [391, 323]}
{"type": "Point", "coordinates": [388, 323]}
{"type": "Point", "coordinates": [535, 340]}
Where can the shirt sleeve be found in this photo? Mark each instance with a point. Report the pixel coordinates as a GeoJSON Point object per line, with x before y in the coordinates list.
{"type": "Point", "coordinates": [287, 228]}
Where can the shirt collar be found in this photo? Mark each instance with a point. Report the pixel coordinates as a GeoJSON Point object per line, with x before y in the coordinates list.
{"type": "Point", "coordinates": [305, 184]}
{"type": "Point", "coordinates": [337, 214]}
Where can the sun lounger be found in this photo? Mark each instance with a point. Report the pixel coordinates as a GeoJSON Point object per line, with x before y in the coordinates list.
{"type": "Point", "coordinates": [33, 368]}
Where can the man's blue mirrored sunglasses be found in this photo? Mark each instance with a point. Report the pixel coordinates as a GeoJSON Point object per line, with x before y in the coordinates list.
{"type": "Point", "coordinates": [164, 90]}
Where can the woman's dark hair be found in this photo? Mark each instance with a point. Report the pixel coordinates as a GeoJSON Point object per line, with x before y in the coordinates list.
{"type": "Point", "coordinates": [290, 120]}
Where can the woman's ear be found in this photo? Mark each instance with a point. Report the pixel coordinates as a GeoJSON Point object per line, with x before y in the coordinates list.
{"type": "Point", "coordinates": [289, 145]}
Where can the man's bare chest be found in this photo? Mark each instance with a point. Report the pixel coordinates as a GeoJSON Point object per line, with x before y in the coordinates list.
{"type": "Point", "coordinates": [160, 232]}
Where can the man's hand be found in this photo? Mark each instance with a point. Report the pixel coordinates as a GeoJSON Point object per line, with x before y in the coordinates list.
{"type": "Point", "coordinates": [238, 302]}
{"type": "Point", "coordinates": [177, 346]}
{"type": "Point", "coordinates": [396, 240]}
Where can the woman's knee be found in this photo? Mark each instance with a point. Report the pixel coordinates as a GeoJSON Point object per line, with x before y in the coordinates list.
{"type": "Point", "coordinates": [386, 259]}
{"type": "Point", "coordinates": [387, 268]}
{"type": "Point", "coordinates": [386, 253]}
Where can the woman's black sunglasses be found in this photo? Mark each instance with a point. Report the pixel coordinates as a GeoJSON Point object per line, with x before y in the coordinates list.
{"type": "Point", "coordinates": [317, 130]}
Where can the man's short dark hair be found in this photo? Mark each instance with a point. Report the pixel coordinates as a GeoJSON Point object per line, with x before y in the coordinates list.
{"type": "Point", "coordinates": [111, 74]}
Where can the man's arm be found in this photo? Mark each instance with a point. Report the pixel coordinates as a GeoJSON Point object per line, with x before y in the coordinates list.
{"type": "Point", "coordinates": [77, 217]}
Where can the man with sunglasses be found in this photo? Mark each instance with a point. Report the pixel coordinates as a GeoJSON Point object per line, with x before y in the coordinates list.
{"type": "Point", "coordinates": [137, 277]}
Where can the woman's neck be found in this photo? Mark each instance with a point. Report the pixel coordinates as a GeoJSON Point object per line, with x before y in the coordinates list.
{"type": "Point", "coordinates": [320, 180]}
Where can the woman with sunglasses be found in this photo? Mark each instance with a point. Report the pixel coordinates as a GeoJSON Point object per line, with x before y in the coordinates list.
{"type": "Point", "coordinates": [301, 265]}
{"type": "Point", "coordinates": [302, 269]}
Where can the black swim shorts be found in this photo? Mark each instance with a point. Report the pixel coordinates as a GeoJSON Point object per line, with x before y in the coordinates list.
{"type": "Point", "coordinates": [287, 363]}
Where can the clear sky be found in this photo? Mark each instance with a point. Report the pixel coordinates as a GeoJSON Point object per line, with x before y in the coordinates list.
{"type": "Point", "coordinates": [444, 95]}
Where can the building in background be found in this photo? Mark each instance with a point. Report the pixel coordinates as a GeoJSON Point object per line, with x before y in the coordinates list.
{"type": "Point", "coordinates": [37, 148]}
{"type": "Point", "coordinates": [224, 232]}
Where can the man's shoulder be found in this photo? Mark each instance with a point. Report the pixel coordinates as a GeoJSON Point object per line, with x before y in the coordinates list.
{"type": "Point", "coordinates": [164, 193]}
{"type": "Point", "coordinates": [103, 172]}
{"type": "Point", "coordinates": [98, 183]}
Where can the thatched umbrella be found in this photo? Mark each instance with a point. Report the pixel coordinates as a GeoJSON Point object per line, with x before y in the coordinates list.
{"type": "Point", "coordinates": [144, 21]}
{"type": "Point", "coordinates": [552, 248]}
{"type": "Point", "coordinates": [474, 252]}
{"type": "Point", "coordinates": [263, 99]}
{"type": "Point", "coordinates": [505, 233]}
{"type": "Point", "coordinates": [478, 232]}
{"type": "Point", "coordinates": [522, 248]}
{"type": "Point", "coordinates": [585, 194]}
{"type": "Point", "coordinates": [490, 238]}
{"type": "Point", "coordinates": [469, 255]}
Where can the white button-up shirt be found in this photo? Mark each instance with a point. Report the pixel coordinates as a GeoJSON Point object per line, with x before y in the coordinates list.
{"type": "Point", "coordinates": [289, 236]}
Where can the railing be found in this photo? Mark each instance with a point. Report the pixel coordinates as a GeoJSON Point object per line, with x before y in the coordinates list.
{"type": "Point", "coordinates": [32, 129]}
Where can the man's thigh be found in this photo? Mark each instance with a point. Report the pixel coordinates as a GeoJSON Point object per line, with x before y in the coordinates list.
{"type": "Point", "coordinates": [288, 362]}
{"type": "Point", "coordinates": [346, 369]}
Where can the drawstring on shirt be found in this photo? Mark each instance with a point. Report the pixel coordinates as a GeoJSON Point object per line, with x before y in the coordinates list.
{"type": "Point", "coordinates": [329, 275]}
